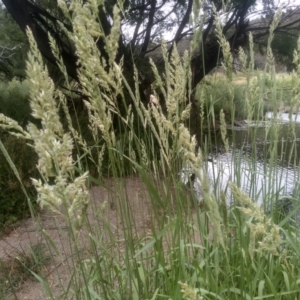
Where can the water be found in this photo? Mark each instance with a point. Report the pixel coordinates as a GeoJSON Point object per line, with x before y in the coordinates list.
{"type": "Point", "coordinates": [284, 117]}
{"type": "Point", "coordinates": [262, 182]}
{"type": "Point", "coordinates": [267, 169]}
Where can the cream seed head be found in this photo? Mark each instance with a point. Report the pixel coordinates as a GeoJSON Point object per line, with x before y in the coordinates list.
{"type": "Point", "coordinates": [154, 100]}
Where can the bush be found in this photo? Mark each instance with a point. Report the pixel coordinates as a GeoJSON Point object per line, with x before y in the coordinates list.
{"type": "Point", "coordinates": [238, 97]}
{"type": "Point", "coordinates": [14, 101]}
{"type": "Point", "coordinates": [220, 94]}
{"type": "Point", "coordinates": [13, 202]}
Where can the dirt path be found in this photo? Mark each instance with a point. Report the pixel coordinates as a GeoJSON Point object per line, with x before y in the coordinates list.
{"type": "Point", "coordinates": [59, 269]}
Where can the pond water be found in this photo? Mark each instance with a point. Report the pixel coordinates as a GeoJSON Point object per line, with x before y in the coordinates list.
{"type": "Point", "coordinates": [263, 160]}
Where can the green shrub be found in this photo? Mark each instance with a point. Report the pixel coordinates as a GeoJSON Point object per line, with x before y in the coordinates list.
{"type": "Point", "coordinates": [220, 94]}
{"type": "Point", "coordinates": [237, 97]}
{"type": "Point", "coordinates": [14, 100]}
{"type": "Point", "coordinates": [13, 202]}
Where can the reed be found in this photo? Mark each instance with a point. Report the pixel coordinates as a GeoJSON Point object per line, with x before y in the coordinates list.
{"type": "Point", "coordinates": [154, 241]}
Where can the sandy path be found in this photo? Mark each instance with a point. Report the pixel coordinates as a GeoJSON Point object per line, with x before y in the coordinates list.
{"type": "Point", "coordinates": [58, 271]}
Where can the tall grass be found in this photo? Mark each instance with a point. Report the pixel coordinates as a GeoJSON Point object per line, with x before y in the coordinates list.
{"type": "Point", "coordinates": [145, 236]}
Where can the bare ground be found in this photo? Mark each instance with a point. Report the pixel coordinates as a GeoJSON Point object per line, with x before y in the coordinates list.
{"type": "Point", "coordinates": [102, 213]}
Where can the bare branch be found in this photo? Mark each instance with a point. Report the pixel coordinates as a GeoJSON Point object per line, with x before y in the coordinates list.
{"type": "Point", "coordinates": [8, 52]}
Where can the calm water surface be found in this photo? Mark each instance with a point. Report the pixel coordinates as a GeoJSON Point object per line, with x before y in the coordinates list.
{"type": "Point", "coordinates": [265, 167]}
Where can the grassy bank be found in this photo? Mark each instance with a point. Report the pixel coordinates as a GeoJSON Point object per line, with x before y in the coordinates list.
{"type": "Point", "coordinates": [158, 242]}
{"type": "Point", "coordinates": [271, 94]}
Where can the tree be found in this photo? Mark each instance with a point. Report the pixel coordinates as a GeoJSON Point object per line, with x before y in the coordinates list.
{"type": "Point", "coordinates": [13, 47]}
{"type": "Point", "coordinates": [148, 21]}
{"type": "Point", "coordinates": [285, 41]}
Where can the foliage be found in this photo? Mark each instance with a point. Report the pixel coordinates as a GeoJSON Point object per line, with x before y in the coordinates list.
{"type": "Point", "coordinates": [13, 201]}
{"type": "Point", "coordinates": [14, 101]}
{"type": "Point", "coordinates": [179, 249]}
{"type": "Point", "coordinates": [284, 43]}
{"type": "Point", "coordinates": [218, 95]}
{"type": "Point", "coordinates": [13, 48]}
{"type": "Point", "coordinates": [149, 22]}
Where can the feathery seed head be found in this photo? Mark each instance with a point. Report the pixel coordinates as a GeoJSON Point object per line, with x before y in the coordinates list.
{"type": "Point", "coordinates": [154, 100]}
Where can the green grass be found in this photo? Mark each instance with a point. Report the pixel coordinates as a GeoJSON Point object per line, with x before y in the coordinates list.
{"type": "Point", "coordinates": [157, 242]}
{"type": "Point", "coordinates": [277, 94]}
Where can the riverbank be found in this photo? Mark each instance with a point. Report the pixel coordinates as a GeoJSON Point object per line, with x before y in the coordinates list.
{"type": "Point", "coordinates": [248, 96]}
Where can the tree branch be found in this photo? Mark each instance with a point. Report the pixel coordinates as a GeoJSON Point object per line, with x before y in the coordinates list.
{"type": "Point", "coordinates": [184, 21]}
{"type": "Point", "coordinates": [23, 13]}
{"type": "Point", "coordinates": [149, 26]}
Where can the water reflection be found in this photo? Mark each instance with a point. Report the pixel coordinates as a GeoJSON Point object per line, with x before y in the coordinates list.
{"type": "Point", "coordinates": [264, 183]}
{"type": "Point", "coordinates": [272, 139]}
{"type": "Point", "coordinates": [263, 160]}
{"type": "Point", "coordinates": [283, 117]}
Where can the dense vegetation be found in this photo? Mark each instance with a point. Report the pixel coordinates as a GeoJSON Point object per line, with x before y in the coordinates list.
{"type": "Point", "coordinates": [148, 22]}
{"type": "Point", "coordinates": [219, 249]}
